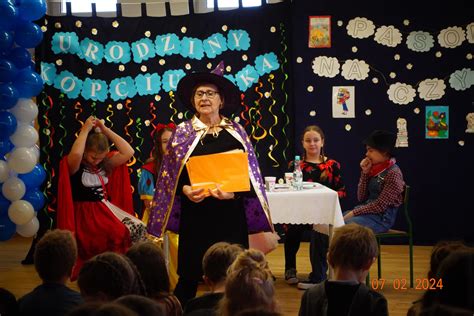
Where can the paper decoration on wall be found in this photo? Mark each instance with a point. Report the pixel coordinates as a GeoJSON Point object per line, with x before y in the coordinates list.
{"type": "Point", "coordinates": [451, 37]}
{"type": "Point", "coordinates": [470, 33]}
{"type": "Point", "coordinates": [431, 89]}
{"type": "Point", "coordinates": [470, 122]}
{"type": "Point", "coordinates": [420, 41]}
{"type": "Point", "coordinates": [401, 93]}
{"type": "Point", "coordinates": [360, 27]}
{"type": "Point", "coordinates": [319, 32]}
{"type": "Point", "coordinates": [388, 36]}
{"type": "Point", "coordinates": [148, 84]}
{"type": "Point", "coordinates": [354, 69]}
{"type": "Point", "coordinates": [461, 79]}
{"type": "Point", "coordinates": [326, 66]}
{"type": "Point", "coordinates": [437, 122]}
{"type": "Point", "coordinates": [402, 134]}
{"type": "Point", "coordinates": [343, 102]}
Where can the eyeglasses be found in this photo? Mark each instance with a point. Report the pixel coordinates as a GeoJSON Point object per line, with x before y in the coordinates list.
{"type": "Point", "coordinates": [210, 94]}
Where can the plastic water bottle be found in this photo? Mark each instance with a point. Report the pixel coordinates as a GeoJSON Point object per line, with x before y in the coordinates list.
{"type": "Point", "coordinates": [297, 174]}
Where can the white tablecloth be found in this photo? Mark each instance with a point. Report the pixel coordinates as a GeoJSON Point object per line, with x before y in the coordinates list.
{"type": "Point", "coordinates": [308, 206]}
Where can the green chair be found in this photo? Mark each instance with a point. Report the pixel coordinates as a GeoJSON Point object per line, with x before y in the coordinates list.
{"type": "Point", "coordinates": [393, 233]}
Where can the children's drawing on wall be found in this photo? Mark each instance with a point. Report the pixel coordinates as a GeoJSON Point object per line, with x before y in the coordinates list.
{"type": "Point", "coordinates": [343, 104]}
{"type": "Point", "coordinates": [437, 122]}
{"type": "Point", "coordinates": [470, 122]}
{"type": "Point", "coordinates": [319, 31]}
{"type": "Point", "coordinates": [402, 134]}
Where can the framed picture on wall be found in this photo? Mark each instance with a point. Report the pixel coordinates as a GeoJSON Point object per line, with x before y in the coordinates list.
{"type": "Point", "coordinates": [437, 122]}
{"type": "Point", "coordinates": [319, 31]}
{"type": "Point", "coordinates": [343, 102]}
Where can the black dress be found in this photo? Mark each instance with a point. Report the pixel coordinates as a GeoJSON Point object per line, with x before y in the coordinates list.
{"type": "Point", "coordinates": [212, 220]}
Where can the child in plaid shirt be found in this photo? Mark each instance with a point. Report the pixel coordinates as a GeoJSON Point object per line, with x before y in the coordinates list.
{"type": "Point", "coordinates": [381, 185]}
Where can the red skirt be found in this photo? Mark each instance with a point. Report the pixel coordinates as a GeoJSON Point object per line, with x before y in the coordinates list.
{"type": "Point", "coordinates": [97, 230]}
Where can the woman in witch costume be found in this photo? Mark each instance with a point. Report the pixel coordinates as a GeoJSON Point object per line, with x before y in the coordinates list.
{"type": "Point", "coordinates": [203, 218]}
{"type": "Point", "coordinates": [381, 184]}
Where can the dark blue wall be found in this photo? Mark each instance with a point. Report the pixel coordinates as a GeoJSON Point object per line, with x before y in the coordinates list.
{"type": "Point", "coordinates": [441, 172]}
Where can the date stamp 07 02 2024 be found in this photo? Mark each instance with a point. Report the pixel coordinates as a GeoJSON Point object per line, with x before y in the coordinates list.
{"type": "Point", "coordinates": [423, 284]}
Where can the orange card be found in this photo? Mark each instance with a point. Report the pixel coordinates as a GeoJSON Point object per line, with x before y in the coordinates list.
{"type": "Point", "coordinates": [229, 170]}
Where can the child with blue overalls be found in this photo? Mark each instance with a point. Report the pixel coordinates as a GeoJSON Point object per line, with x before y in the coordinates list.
{"type": "Point", "coordinates": [381, 185]}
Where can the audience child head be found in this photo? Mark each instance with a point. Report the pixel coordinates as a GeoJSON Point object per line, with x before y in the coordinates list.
{"type": "Point", "coordinates": [440, 251]}
{"type": "Point", "coordinates": [249, 284]}
{"type": "Point", "coordinates": [150, 262]}
{"type": "Point", "coordinates": [352, 251]}
{"type": "Point", "coordinates": [55, 255]}
{"type": "Point", "coordinates": [108, 276]}
{"type": "Point", "coordinates": [141, 305]}
{"type": "Point", "coordinates": [8, 303]}
{"type": "Point", "coordinates": [457, 274]}
{"type": "Point", "coordinates": [215, 263]}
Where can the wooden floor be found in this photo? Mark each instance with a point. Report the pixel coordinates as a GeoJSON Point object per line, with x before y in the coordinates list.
{"type": "Point", "coordinates": [21, 279]}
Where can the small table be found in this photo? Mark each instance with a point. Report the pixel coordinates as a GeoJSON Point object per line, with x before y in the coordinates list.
{"type": "Point", "coordinates": [319, 205]}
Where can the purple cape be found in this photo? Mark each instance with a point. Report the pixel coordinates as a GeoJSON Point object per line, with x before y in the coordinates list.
{"type": "Point", "coordinates": [166, 207]}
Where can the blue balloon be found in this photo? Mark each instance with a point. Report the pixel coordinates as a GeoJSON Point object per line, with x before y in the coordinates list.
{"type": "Point", "coordinates": [31, 10]}
{"type": "Point", "coordinates": [4, 204]}
{"type": "Point", "coordinates": [36, 198]}
{"type": "Point", "coordinates": [6, 40]}
{"type": "Point", "coordinates": [7, 124]}
{"type": "Point", "coordinates": [28, 35]}
{"type": "Point", "coordinates": [7, 228]}
{"type": "Point", "coordinates": [34, 178]}
{"type": "Point", "coordinates": [5, 145]}
{"type": "Point", "coordinates": [28, 83]}
{"type": "Point", "coordinates": [8, 70]}
{"type": "Point", "coordinates": [8, 96]}
{"type": "Point", "coordinates": [9, 16]}
{"type": "Point", "coordinates": [20, 56]}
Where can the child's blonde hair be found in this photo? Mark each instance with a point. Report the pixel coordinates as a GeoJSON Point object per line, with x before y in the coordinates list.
{"type": "Point", "coordinates": [249, 284]}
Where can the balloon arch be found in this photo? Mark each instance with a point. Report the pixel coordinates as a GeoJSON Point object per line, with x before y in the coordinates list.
{"type": "Point", "coordinates": [21, 174]}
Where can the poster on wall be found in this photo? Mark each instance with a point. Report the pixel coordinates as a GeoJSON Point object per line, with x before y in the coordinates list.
{"type": "Point", "coordinates": [437, 122]}
{"type": "Point", "coordinates": [319, 31]}
{"type": "Point", "coordinates": [343, 102]}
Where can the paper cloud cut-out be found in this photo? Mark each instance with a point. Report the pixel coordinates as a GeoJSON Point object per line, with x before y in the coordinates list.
{"type": "Point", "coordinates": [354, 69]}
{"type": "Point", "coordinates": [431, 89]}
{"type": "Point", "coordinates": [461, 80]}
{"type": "Point", "coordinates": [451, 37]}
{"type": "Point", "coordinates": [401, 93]}
{"type": "Point", "coordinates": [325, 66]}
{"type": "Point", "coordinates": [420, 41]}
{"type": "Point", "coordinates": [470, 33]}
{"type": "Point", "coordinates": [360, 27]}
{"type": "Point", "coordinates": [388, 35]}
